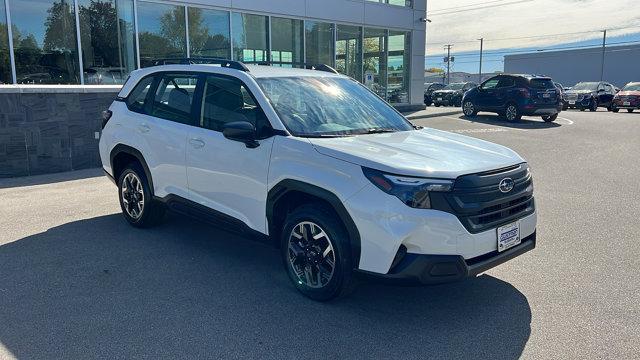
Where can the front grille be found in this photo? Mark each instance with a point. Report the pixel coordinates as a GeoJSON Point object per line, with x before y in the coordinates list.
{"type": "Point", "coordinates": [480, 205]}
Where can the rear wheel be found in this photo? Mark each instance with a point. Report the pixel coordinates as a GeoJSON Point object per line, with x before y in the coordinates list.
{"type": "Point", "coordinates": [614, 108]}
{"type": "Point", "coordinates": [316, 253]}
{"type": "Point", "coordinates": [630, 110]}
{"type": "Point", "coordinates": [469, 109]}
{"type": "Point", "coordinates": [511, 113]}
{"type": "Point", "coordinates": [136, 198]}
{"type": "Point", "coordinates": [550, 118]}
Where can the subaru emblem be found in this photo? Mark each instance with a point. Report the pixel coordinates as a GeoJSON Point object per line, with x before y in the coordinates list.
{"type": "Point", "coordinates": [506, 185]}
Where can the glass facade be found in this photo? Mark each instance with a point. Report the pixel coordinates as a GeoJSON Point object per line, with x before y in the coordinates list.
{"type": "Point", "coordinates": [349, 51]}
{"type": "Point", "coordinates": [44, 41]}
{"type": "Point", "coordinates": [398, 69]}
{"type": "Point", "coordinates": [406, 3]}
{"type": "Point", "coordinates": [250, 37]}
{"type": "Point", "coordinates": [117, 37]}
{"type": "Point", "coordinates": [286, 42]}
{"type": "Point", "coordinates": [209, 33]}
{"type": "Point", "coordinates": [319, 42]}
{"type": "Point", "coordinates": [107, 59]}
{"type": "Point", "coordinates": [5, 60]}
{"type": "Point", "coordinates": [161, 31]}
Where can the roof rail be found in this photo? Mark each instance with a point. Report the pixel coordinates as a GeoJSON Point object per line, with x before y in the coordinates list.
{"type": "Point", "coordinates": [238, 65]}
{"type": "Point", "coordinates": [318, 67]}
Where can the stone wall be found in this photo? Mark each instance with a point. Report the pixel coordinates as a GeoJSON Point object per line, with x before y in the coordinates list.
{"type": "Point", "coordinates": [47, 130]}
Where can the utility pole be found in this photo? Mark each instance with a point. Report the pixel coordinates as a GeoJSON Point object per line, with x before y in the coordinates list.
{"type": "Point", "coordinates": [604, 48]}
{"type": "Point", "coordinates": [480, 71]}
{"type": "Point", "coordinates": [448, 64]}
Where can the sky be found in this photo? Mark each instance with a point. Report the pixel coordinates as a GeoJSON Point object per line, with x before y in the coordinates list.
{"type": "Point", "coordinates": [516, 26]}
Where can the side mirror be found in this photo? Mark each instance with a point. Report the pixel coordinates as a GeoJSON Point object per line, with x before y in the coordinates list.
{"type": "Point", "coordinates": [242, 131]}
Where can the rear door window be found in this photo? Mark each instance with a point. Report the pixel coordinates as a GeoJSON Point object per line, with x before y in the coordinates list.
{"type": "Point", "coordinates": [506, 82]}
{"type": "Point", "coordinates": [173, 98]}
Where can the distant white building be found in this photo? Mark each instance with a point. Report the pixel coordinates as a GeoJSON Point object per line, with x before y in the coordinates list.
{"type": "Point", "coordinates": [569, 67]}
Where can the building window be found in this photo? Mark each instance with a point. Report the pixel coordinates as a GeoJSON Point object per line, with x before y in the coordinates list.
{"type": "Point", "coordinates": [250, 37]}
{"type": "Point", "coordinates": [375, 60]}
{"type": "Point", "coordinates": [319, 43]}
{"type": "Point", "coordinates": [286, 41]}
{"type": "Point", "coordinates": [5, 60]}
{"type": "Point", "coordinates": [162, 32]}
{"type": "Point", "coordinates": [108, 40]}
{"type": "Point", "coordinates": [349, 51]}
{"type": "Point", "coordinates": [406, 3]}
{"type": "Point", "coordinates": [209, 33]}
{"type": "Point", "coordinates": [398, 67]}
{"type": "Point", "coordinates": [44, 41]}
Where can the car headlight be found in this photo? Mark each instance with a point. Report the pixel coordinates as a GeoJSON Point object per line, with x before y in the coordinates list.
{"type": "Point", "coordinates": [412, 191]}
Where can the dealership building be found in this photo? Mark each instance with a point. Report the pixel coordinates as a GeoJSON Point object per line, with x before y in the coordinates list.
{"type": "Point", "coordinates": [63, 61]}
{"type": "Point", "coordinates": [570, 67]}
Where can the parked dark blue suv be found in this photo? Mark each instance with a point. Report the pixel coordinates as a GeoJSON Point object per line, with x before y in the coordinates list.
{"type": "Point", "coordinates": [513, 96]}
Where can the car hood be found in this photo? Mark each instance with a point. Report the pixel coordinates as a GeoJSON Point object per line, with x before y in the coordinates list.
{"type": "Point", "coordinates": [422, 153]}
{"type": "Point", "coordinates": [579, 92]}
{"type": "Point", "coordinates": [446, 91]}
{"type": "Point", "coordinates": [628, 93]}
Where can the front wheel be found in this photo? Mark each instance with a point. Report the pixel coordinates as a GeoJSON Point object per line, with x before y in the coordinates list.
{"type": "Point", "coordinates": [469, 109]}
{"type": "Point", "coordinates": [630, 110]}
{"type": "Point", "coordinates": [316, 252]}
{"type": "Point", "coordinates": [511, 113]}
{"type": "Point", "coordinates": [550, 118]}
{"type": "Point", "coordinates": [593, 106]}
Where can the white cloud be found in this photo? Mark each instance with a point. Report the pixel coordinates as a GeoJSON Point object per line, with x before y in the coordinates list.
{"type": "Point", "coordinates": [525, 19]}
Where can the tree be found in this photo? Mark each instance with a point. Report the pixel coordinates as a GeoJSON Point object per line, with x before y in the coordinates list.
{"type": "Point", "coordinates": [434, 70]}
{"type": "Point", "coordinates": [98, 27]}
{"type": "Point", "coordinates": [60, 28]}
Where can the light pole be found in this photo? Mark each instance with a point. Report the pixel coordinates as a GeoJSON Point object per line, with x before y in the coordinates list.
{"type": "Point", "coordinates": [480, 71]}
{"type": "Point", "coordinates": [448, 46]}
{"type": "Point", "coordinates": [604, 47]}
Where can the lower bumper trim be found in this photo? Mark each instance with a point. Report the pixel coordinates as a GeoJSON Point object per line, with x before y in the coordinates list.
{"type": "Point", "coordinates": [437, 269]}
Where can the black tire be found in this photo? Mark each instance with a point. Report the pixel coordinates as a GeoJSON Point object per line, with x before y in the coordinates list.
{"type": "Point", "coordinates": [593, 106]}
{"type": "Point", "coordinates": [469, 109]}
{"type": "Point", "coordinates": [152, 211]}
{"type": "Point", "coordinates": [550, 118]}
{"type": "Point", "coordinates": [436, 105]}
{"type": "Point", "coordinates": [630, 110]}
{"type": "Point", "coordinates": [341, 281]}
{"type": "Point", "coordinates": [511, 113]}
{"type": "Point", "coordinates": [614, 108]}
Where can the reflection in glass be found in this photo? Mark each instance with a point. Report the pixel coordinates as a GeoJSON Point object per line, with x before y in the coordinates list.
{"type": "Point", "coordinates": [398, 67]}
{"type": "Point", "coordinates": [209, 33]}
{"type": "Point", "coordinates": [250, 37]}
{"type": "Point", "coordinates": [5, 61]}
{"type": "Point", "coordinates": [375, 60]}
{"type": "Point", "coordinates": [161, 32]}
{"type": "Point", "coordinates": [319, 43]}
{"type": "Point", "coordinates": [108, 40]}
{"type": "Point", "coordinates": [349, 51]}
{"type": "Point", "coordinates": [286, 38]}
{"type": "Point", "coordinates": [44, 41]}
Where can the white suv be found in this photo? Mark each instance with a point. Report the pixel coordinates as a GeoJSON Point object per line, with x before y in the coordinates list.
{"type": "Point", "coordinates": [319, 165]}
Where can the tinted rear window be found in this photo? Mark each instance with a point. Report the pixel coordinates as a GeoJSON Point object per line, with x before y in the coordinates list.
{"type": "Point", "coordinates": [542, 84]}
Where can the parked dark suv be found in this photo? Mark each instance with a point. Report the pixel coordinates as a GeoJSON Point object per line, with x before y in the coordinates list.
{"type": "Point", "coordinates": [513, 96]}
{"type": "Point", "coordinates": [429, 88]}
{"type": "Point", "coordinates": [451, 95]}
{"type": "Point", "coordinates": [591, 95]}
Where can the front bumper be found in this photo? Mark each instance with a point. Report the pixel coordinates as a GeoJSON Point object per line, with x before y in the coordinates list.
{"type": "Point", "coordinates": [632, 104]}
{"type": "Point", "coordinates": [438, 269]}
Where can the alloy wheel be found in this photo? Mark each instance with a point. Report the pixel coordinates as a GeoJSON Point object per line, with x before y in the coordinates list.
{"type": "Point", "coordinates": [511, 113]}
{"type": "Point", "coordinates": [468, 108]}
{"type": "Point", "coordinates": [311, 255]}
{"type": "Point", "coordinates": [132, 195]}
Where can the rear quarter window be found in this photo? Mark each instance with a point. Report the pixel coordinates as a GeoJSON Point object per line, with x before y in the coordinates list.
{"type": "Point", "coordinates": [137, 97]}
{"type": "Point", "coordinates": [541, 84]}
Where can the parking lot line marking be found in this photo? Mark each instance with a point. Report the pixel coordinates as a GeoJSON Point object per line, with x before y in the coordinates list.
{"type": "Point", "coordinates": [567, 120]}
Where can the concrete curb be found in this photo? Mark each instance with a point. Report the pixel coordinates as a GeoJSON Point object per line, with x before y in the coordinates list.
{"type": "Point", "coordinates": [428, 116]}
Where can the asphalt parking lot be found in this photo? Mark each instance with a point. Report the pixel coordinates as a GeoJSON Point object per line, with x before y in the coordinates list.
{"type": "Point", "coordinates": [77, 282]}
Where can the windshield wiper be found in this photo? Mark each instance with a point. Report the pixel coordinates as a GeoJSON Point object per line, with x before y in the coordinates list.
{"type": "Point", "coordinates": [379, 130]}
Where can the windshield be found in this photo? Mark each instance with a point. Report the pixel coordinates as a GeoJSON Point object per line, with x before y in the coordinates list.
{"type": "Point", "coordinates": [454, 87]}
{"type": "Point", "coordinates": [632, 87]}
{"type": "Point", "coordinates": [324, 106]}
{"type": "Point", "coordinates": [586, 86]}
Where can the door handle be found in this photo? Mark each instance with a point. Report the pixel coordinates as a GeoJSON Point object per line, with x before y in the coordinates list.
{"type": "Point", "coordinates": [144, 128]}
{"type": "Point", "coordinates": [196, 143]}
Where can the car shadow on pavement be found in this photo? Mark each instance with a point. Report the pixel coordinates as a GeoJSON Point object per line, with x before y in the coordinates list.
{"type": "Point", "coordinates": [6, 183]}
{"type": "Point", "coordinates": [98, 288]}
{"type": "Point", "coordinates": [524, 123]}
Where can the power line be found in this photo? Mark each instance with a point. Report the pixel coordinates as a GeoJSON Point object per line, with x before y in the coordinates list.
{"type": "Point", "coordinates": [480, 8]}
{"type": "Point", "coordinates": [468, 5]}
